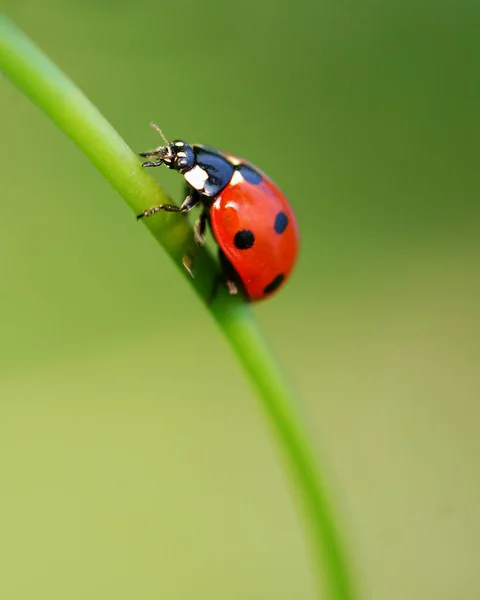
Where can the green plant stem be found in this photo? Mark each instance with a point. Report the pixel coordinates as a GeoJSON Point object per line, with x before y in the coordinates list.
{"type": "Point", "coordinates": [39, 79]}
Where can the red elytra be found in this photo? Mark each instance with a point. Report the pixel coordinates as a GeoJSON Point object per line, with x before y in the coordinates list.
{"type": "Point", "coordinates": [264, 211]}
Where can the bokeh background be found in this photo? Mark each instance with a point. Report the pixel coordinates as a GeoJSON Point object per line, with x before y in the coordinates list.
{"type": "Point", "coordinates": [134, 460]}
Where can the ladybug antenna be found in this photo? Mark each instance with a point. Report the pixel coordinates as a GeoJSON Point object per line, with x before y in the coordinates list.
{"type": "Point", "coordinates": [157, 128]}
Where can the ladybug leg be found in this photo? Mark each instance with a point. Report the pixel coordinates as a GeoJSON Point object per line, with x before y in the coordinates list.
{"type": "Point", "coordinates": [149, 163]}
{"type": "Point", "coordinates": [199, 237]}
{"type": "Point", "coordinates": [190, 202]}
{"type": "Point", "coordinates": [227, 275]}
{"type": "Point", "coordinates": [149, 153]}
{"type": "Point", "coordinates": [156, 153]}
{"type": "Point", "coordinates": [199, 228]}
{"type": "Point", "coordinates": [232, 287]}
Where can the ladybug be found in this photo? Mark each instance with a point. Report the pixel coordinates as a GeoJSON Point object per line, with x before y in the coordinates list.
{"type": "Point", "coordinates": [251, 220]}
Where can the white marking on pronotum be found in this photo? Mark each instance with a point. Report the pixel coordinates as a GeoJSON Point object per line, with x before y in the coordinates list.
{"type": "Point", "coordinates": [179, 144]}
{"type": "Point", "coordinates": [196, 177]}
{"type": "Point", "coordinates": [181, 154]}
{"type": "Point", "coordinates": [237, 177]}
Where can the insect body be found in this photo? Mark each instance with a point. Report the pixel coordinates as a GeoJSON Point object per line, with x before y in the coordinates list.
{"type": "Point", "coordinates": [251, 220]}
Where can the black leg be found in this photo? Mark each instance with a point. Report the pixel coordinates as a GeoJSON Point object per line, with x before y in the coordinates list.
{"type": "Point", "coordinates": [228, 276]}
{"type": "Point", "coordinates": [152, 164]}
{"type": "Point", "coordinates": [190, 202]}
{"type": "Point", "coordinates": [199, 228]}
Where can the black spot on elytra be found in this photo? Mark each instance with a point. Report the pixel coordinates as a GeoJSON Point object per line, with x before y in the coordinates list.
{"type": "Point", "coordinates": [244, 239]}
{"type": "Point", "coordinates": [281, 222]}
{"type": "Point", "coordinates": [249, 174]}
{"type": "Point", "coordinates": [274, 284]}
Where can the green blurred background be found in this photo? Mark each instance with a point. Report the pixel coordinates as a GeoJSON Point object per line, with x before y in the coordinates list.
{"type": "Point", "coordinates": [134, 461]}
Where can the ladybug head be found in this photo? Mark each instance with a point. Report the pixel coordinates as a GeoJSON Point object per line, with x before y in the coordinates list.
{"type": "Point", "coordinates": [176, 155]}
